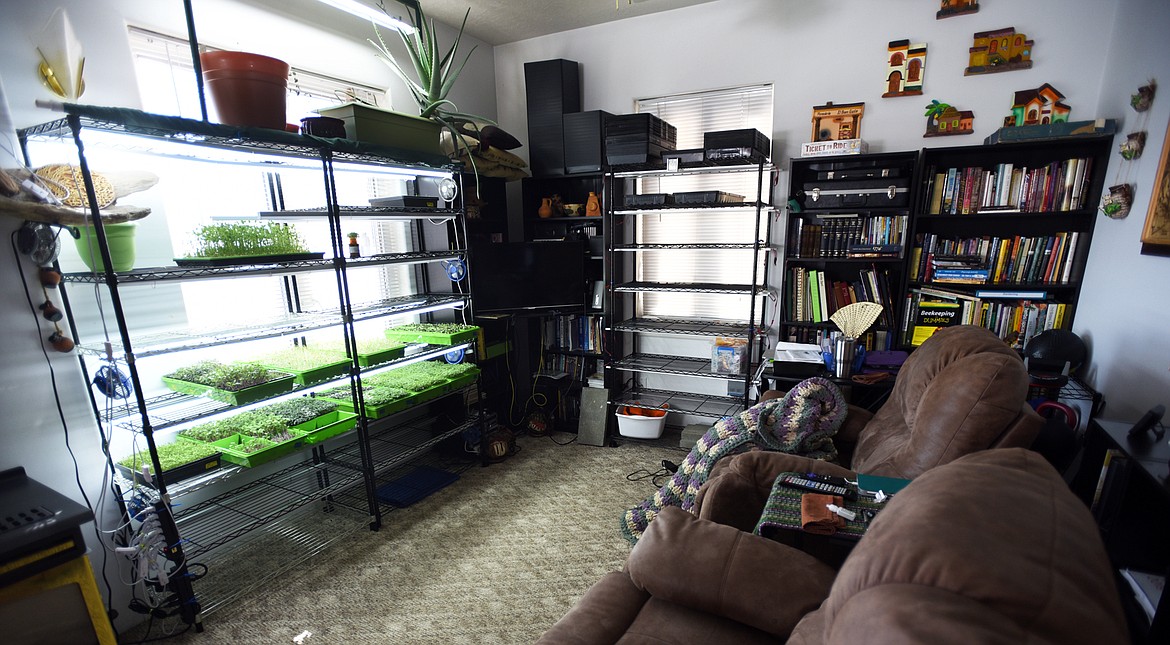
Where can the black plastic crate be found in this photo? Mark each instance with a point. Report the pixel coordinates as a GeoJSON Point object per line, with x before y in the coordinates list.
{"type": "Point", "coordinates": [702, 197]}
{"type": "Point", "coordinates": [649, 199]}
{"type": "Point", "coordinates": [736, 145]}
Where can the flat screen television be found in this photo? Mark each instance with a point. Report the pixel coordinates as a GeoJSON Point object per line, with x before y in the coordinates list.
{"type": "Point", "coordinates": [527, 277]}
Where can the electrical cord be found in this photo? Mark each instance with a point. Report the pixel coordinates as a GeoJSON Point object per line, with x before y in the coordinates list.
{"type": "Point", "coordinates": [65, 428]}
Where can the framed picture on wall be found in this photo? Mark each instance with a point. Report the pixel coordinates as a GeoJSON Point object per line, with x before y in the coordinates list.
{"type": "Point", "coordinates": [1157, 230]}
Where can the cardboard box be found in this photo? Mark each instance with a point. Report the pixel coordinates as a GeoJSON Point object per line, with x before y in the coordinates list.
{"type": "Point", "coordinates": [830, 148]}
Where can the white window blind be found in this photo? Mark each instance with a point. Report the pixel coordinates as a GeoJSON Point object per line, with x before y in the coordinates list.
{"type": "Point", "coordinates": [693, 114]}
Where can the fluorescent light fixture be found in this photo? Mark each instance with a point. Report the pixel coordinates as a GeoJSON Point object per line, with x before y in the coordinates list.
{"type": "Point", "coordinates": [355, 8]}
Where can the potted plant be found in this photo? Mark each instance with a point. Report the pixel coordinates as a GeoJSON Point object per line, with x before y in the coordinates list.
{"type": "Point", "coordinates": [242, 242]}
{"type": "Point", "coordinates": [237, 383]}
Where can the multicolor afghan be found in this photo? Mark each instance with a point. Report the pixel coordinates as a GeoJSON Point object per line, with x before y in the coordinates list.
{"type": "Point", "coordinates": [803, 422]}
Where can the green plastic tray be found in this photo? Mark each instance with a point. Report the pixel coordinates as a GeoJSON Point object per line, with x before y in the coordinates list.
{"type": "Point", "coordinates": [462, 380]}
{"type": "Point", "coordinates": [377, 358]}
{"type": "Point", "coordinates": [260, 392]}
{"type": "Point", "coordinates": [229, 446]}
{"type": "Point", "coordinates": [433, 338]}
{"type": "Point", "coordinates": [376, 411]}
{"type": "Point", "coordinates": [317, 374]}
{"type": "Point", "coordinates": [327, 426]}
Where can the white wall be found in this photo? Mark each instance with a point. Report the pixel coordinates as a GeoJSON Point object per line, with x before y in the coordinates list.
{"type": "Point", "coordinates": [318, 39]}
{"type": "Point", "coordinates": [818, 52]}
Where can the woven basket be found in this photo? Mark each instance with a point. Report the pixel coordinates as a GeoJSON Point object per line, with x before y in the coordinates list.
{"type": "Point", "coordinates": [67, 184]}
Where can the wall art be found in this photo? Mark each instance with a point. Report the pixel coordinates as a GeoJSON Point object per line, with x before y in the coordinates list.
{"type": "Point", "coordinates": [943, 119]}
{"type": "Point", "coordinates": [905, 67]}
{"type": "Point", "coordinates": [999, 50]}
{"type": "Point", "coordinates": [951, 8]}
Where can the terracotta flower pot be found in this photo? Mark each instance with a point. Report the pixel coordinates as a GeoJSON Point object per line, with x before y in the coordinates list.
{"type": "Point", "coordinates": [247, 89]}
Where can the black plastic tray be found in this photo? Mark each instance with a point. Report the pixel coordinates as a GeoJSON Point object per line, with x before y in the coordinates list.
{"type": "Point", "coordinates": [244, 260]}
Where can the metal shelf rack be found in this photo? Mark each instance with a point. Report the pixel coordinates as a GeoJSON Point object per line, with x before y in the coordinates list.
{"type": "Point", "coordinates": [218, 514]}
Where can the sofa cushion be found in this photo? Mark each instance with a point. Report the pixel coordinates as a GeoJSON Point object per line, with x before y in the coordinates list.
{"type": "Point", "coordinates": [990, 548]}
{"type": "Point", "coordinates": [961, 391]}
{"type": "Point", "coordinates": [724, 571]}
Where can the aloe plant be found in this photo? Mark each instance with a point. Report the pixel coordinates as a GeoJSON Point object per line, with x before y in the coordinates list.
{"type": "Point", "coordinates": [434, 74]}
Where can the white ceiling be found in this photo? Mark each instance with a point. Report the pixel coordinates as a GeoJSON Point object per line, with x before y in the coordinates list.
{"type": "Point", "coordinates": [494, 21]}
{"type": "Point", "coordinates": [505, 21]}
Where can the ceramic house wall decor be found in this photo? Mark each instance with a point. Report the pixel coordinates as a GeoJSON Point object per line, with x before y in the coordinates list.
{"type": "Point", "coordinates": [837, 122]}
{"type": "Point", "coordinates": [944, 120]}
{"type": "Point", "coordinates": [999, 50]}
{"type": "Point", "coordinates": [950, 8]}
{"type": "Point", "coordinates": [1040, 106]}
{"type": "Point", "coordinates": [906, 65]}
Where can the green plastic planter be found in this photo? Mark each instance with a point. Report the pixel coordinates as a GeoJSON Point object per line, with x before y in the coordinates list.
{"type": "Point", "coordinates": [279, 385]}
{"type": "Point", "coordinates": [230, 447]}
{"type": "Point", "coordinates": [327, 426]}
{"type": "Point", "coordinates": [432, 338]}
{"type": "Point", "coordinates": [319, 374]}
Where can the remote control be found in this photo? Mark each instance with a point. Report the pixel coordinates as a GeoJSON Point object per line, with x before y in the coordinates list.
{"type": "Point", "coordinates": [803, 483]}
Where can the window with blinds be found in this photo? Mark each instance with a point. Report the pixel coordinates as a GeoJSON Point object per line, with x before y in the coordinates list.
{"type": "Point", "coordinates": [166, 81]}
{"type": "Point", "coordinates": [694, 114]}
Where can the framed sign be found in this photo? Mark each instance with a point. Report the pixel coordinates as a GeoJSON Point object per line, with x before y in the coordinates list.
{"type": "Point", "coordinates": [1157, 230]}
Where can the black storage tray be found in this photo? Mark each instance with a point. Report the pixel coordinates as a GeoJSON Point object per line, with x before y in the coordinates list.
{"type": "Point", "coordinates": [736, 145]}
{"type": "Point", "coordinates": [889, 192]}
{"type": "Point", "coordinates": [700, 197]}
{"type": "Point", "coordinates": [649, 199]}
{"type": "Point", "coordinates": [858, 173]}
{"type": "Point", "coordinates": [693, 155]}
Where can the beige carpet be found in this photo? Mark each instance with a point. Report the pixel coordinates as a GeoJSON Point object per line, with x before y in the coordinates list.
{"type": "Point", "coordinates": [497, 557]}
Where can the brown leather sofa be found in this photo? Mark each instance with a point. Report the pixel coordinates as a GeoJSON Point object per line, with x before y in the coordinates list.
{"type": "Point", "coordinates": [990, 548]}
{"type": "Point", "coordinates": [961, 391]}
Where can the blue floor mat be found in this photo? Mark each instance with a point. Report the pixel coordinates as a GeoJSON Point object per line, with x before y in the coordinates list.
{"type": "Point", "coordinates": [414, 486]}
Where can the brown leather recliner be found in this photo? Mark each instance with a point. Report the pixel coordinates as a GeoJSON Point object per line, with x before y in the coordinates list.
{"type": "Point", "coordinates": [962, 391]}
{"type": "Point", "coordinates": [991, 548]}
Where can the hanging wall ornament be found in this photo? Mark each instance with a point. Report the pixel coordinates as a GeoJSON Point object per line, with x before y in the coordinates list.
{"type": "Point", "coordinates": [1133, 145]}
{"type": "Point", "coordinates": [1116, 204]}
{"type": "Point", "coordinates": [1141, 100]}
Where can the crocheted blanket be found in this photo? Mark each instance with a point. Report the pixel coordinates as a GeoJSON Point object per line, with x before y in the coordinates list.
{"type": "Point", "coordinates": [802, 422]}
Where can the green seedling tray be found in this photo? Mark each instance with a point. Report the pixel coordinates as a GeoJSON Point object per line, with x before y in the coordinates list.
{"type": "Point", "coordinates": [377, 358]}
{"type": "Point", "coordinates": [229, 446]}
{"type": "Point", "coordinates": [327, 426]}
{"type": "Point", "coordinates": [433, 338]}
{"type": "Point", "coordinates": [176, 474]}
{"type": "Point", "coordinates": [279, 385]}
{"type": "Point", "coordinates": [463, 380]}
{"type": "Point", "coordinates": [376, 411]}
{"type": "Point", "coordinates": [318, 374]}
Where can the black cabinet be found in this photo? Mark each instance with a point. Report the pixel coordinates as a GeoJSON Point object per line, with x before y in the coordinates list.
{"type": "Point", "coordinates": [845, 242]}
{"type": "Point", "coordinates": [1004, 230]}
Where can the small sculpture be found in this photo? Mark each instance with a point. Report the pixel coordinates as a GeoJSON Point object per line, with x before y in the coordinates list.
{"type": "Point", "coordinates": [593, 205]}
{"type": "Point", "coordinates": [1116, 204]}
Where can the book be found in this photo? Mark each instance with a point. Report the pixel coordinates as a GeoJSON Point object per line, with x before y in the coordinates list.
{"type": "Point", "coordinates": [929, 317]}
{"type": "Point", "coordinates": [1147, 589]}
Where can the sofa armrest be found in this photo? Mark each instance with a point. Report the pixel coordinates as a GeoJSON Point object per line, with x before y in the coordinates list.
{"type": "Point", "coordinates": [727, 572]}
{"type": "Point", "coordinates": [602, 615]}
{"type": "Point", "coordinates": [739, 486]}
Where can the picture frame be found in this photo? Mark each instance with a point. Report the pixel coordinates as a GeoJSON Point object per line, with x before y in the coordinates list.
{"type": "Point", "coordinates": [1157, 228]}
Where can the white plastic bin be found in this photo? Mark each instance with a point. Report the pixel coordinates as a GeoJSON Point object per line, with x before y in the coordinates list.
{"type": "Point", "coordinates": [640, 427]}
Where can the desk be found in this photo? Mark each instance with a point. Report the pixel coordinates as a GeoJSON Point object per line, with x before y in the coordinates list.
{"type": "Point", "coordinates": [1133, 512]}
{"type": "Point", "coordinates": [868, 396]}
